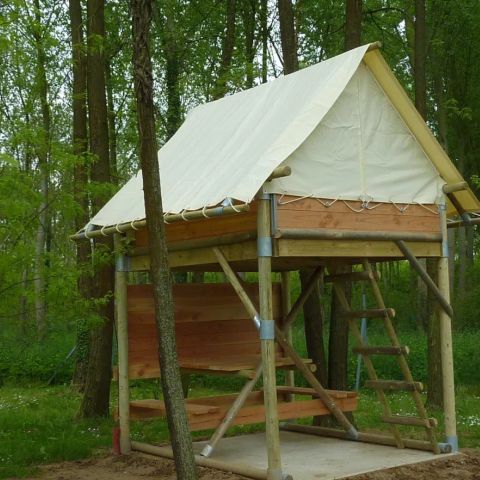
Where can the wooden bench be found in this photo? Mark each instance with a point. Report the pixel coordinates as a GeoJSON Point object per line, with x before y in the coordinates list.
{"type": "Point", "coordinates": [214, 336]}
{"type": "Point", "coordinates": [207, 413]}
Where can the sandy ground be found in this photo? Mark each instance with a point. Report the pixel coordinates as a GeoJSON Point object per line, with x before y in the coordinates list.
{"type": "Point", "coordinates": [138, 466]}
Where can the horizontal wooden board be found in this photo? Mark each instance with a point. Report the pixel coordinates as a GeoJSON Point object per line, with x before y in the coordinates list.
{"type": "Point", "coordinates": [205, 227]}
{"type": "Point", "coordinates": [353, 249]}
{"type": "Point", "coordinates": [211, 326]}
{"type": "Point", "coordinates": [207, 413]}
{"type": "Point", "coordinates": [309, 213]}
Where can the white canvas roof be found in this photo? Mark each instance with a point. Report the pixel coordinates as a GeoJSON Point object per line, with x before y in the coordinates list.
{"type": "Point", "coordinates": [332, 123]}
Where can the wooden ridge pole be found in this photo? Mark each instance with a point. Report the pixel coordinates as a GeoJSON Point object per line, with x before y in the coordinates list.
{"type": "Point", "coordinates": [267, 336]}
{"type": "Point", "coordinates": [121, 318]}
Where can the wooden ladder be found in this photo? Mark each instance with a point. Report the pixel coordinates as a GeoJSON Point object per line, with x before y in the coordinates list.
{"type": "Point", "coordinates": [395, 349]}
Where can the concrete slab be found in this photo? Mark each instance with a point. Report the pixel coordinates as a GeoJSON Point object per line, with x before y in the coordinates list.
{"type": "Point", "coordinates": [308, 457]}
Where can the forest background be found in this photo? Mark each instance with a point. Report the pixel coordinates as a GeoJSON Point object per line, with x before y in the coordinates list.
{"type": "Point", "coordinates": [202, 50]}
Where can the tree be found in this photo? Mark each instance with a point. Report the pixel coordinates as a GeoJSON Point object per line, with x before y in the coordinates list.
{"type": "Point", "coordinates": [353, 24]}
{"type": "Point", "coordinates": [96, 395]}
{"type": "Point", "coordinates": [288, 36]}
{"type": "Point", "coordinates": [80, 181]}
{"type": "Point", "coordinates": [228, 45]}
{"type": "Point", "coordinates": [159, 271]}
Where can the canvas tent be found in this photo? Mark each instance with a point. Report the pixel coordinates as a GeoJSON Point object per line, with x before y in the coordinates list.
{"type": "Point", "coordinates": [332, 122]}
{"type": "Point", "coordinates": [327, 168]}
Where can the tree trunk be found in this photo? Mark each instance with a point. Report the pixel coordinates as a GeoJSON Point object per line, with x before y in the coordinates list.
{"type": "Point", "coordinates": [159, 271]}
{"type": "Point", "coordinates": [80, 181]}
{"type": "Point", "coordinates": [419, 59]}
{"type": "Point", "coordinates": [434, 370]}
{"type": "Point", "coordinates": [172, 70]}
{"type": "Point", "coordinates": [227, 51]}
{"type": "Point", "coordinates": [264, 34]}
{"type": "Point", "coordinates": [43, 153]}
{"type": "Point", "coordinates": [112, 128]}
{"type": "Point", "coordinates": [96, 396]}
{"type": "Point", "coordinates": [353, 25]}
{"type": "Point", "coordinates": [248, 14]}
{"type": "Point", "coordinates": [288, 36]}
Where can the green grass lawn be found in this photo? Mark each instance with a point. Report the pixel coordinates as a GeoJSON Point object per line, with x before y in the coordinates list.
{"type": "Point", "coordinates": [38, 424]}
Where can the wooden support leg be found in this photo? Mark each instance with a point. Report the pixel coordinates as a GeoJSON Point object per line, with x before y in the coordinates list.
{"type": "Point", "coordinates": [447, 359]}
{"type": "Point", "coordinates": [286, 307]}
{"type": "Point", "coordinates": [267, 340]}
{"type": "Point", "coordinates": [122, 336]}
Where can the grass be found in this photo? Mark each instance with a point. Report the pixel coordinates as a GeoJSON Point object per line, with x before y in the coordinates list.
{"type": "Point", "coordinates": [38, 424]}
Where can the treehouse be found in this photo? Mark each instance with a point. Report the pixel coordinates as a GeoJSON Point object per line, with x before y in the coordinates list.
{"type": "Point", "coordinates": [327, 168]}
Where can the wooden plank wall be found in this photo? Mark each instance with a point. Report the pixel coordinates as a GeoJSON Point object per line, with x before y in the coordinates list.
{"type": "Point", "coordinates": [211, 325]}
{"type": "Point", "coordinates": [310, 213]}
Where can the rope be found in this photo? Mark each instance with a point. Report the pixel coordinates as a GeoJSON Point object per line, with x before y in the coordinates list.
{"type": "Point", "coordinates": [117, 229]}
{"type": "Point", "coordinates": [400, 209]}
{"type": "Point", "coordinates": [296, 199]}
{"type": "Point", "coordinates": [326, 204]}
{"type": "Point", "coordinates": [429, 209]}
{"type": "Point", "coordinates": [354, 209]}
{"type": "Point", "coordinates": [102, 232]}
{"type": "Point", "coordinates": [133, 226]}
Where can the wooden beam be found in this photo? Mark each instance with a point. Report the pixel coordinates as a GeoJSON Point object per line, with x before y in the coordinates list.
{"type": "Point", "coordinates": [169, 218]}
{"type": "Point", "coordinates": [267, 342]}
{"type": "Point", "coordinates": [353, 248]}
{"type": "Point", "coordinates": [328, 234]}
{"type": "Point", "coordinates": [444, 303]}
{"type": "Point", "coordinates": [121, 318]}
{"type": "Point", "coordinates": [166, 452]}
{"type": "Point", "coordinates": [280, 172]}
{"type": "Point", "coordinates": [288, 349]}
{"type": "Point", "coordinates": [365, 437]}
{"type": "Point", "coordinates": [454, 187]}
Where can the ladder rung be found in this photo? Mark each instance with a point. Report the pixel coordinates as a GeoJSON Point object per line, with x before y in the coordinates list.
{"type": "Point", "coordinates": [394, 385]}
{"type": "Point", "coordinates": [352, 276]}
{"type": "Point", "coordinates": [412, 421]}
{"type": "Point", "coordinates": [371, 313]}
{"type": "Point", "coordinates": [404, 350]}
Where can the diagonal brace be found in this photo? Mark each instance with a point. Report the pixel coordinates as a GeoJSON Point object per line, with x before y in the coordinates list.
{"type": "Point", "coordinates": [250, 385]}
{"type": "Point", "coordinates": [425, 277]}
{"type": "Point", "coordinates": [283, 342]}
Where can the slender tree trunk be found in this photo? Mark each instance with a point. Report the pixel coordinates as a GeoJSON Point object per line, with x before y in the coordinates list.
{"type": "Point", "coordinates": [248, 15]}
{"type": "Point", "coordinates": [264, 34]}
{"type": "Point", "coordinates": [427, 309]}
{"type": "Point", "coordinates": [80, 181]}
{"type": "Point", "coordinates": [338, 337]}
{"type": "Point", "coordinates": [96, 396]}
{"type": "Point", "coordinates": [43, 152]}
{"type": "Point", "coordinates": [353, 25]}
{"type": "Point", "coordinates": [172, 70]}
{"type": "Point", "coordinates": [227, 51]}
{"type": "Point", "coordinates": [288, 36]}
{"type": "Point", "coordinates": [434, 370]}
{"type": "Point", "coordinates": [160, 272]}
{"type": "Point", "coordinates": [112, 127]}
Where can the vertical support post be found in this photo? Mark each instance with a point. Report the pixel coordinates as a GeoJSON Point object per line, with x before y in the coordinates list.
{"type": "Point", "coordinates": [446, 339]}
{"type": "Point", "coordinates": [267, 336]}
{"type": "Point", "coordinates": [122, 338]}
{"type": "Point", "coordinates": [286, 307]}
